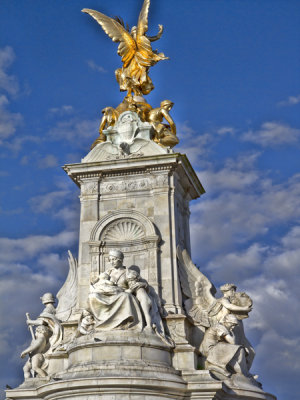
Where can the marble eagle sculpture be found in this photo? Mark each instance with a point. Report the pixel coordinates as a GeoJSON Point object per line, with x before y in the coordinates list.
{"type": "Point", "coordinates": [134, 48]}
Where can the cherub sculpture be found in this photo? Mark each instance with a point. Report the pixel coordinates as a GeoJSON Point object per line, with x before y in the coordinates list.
{"type": "Point", "coordinates": [134, 48]}
{"type": "Point", "coordinates": [208, 311]}
{"type": "Point", "coordinates": [86, 323]}
{"type": "Point", "coordinates": [36, 350]}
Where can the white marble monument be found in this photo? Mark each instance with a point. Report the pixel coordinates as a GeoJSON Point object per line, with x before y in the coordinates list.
{"type": "Point", "coordinates": [135, 318]}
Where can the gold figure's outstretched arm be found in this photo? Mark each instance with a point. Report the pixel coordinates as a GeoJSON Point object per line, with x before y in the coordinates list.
{"type": "Point", "coordinates": [170, 120]}
{"type": "Point", "coordinates": [158, 36]}
{"type": "Point", "coordinates": [117, 33]}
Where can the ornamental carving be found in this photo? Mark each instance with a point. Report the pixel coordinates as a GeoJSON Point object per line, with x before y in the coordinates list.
{"type": "Point", "coordinates": [89, 188]}
{"type": "Point", "coordinates": [123, 230]}
{"type": "Point", "coordinates": [135, 185]}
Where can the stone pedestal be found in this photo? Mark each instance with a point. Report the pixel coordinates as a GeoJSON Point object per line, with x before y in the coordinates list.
{"type": "Point", "coordinates": [138, 203]}
{"type": "Point", "coordinates": [140, 206]}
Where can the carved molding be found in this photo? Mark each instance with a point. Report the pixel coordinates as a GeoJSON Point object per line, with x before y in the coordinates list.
{"type": "Point", "coordinates": [135, 184]}
{"type": "Point", "coordinates": [123, 230]}
{"type": "Point", "coordinates": [88, 188]}
{"type": "Point", "coordinates": [114, 217]}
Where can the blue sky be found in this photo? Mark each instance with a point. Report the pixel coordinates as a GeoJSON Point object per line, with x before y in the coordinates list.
{"type": "Point", "coordinates": [233, 75]}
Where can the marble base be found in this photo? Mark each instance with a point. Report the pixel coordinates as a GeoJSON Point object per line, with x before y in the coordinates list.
{"type": "Point", "coordinates": [124, 365]}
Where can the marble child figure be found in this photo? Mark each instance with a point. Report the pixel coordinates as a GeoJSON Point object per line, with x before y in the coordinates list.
{"type": "Point", "coordinates": [138, 288]}
{"type": "Point", "coordinates": [36, 350]}
{"type": "Point", "coordinates": [86, 323]}
{"type": "Point", "coordinates": [104, 285]}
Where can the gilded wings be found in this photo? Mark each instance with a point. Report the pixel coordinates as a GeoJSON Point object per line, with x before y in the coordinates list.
{"type": "Point", "coordinates": [117, 33]}
{"type": "Point", "coordinates": [134, 48]}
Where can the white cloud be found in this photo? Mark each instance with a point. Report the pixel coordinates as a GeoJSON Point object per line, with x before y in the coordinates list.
{"type": "Point", "coordinates": [14, 250]}
{"type": "Point", "coordinates": [8, 83]}
{"type": "Point", "coordinates": [235, 175]}
{"type": "Point", "coordinates": [96, 67]}
{"type": "Point", "coordinates": [79, 132]}
{"type": "Point", "coordinates": [70, 216]}
{"type": "Point", "coordinates": [272, 134]}
{"type": "Point", "coordinates": [227, 218]}
{"type": "Point", "coordinates": [8, 121]}
{"type": "Point", "coordinates": [244, 263]}
{"type": "Point", "coordinates": [17, 143]}
{"type": "Point", "coordinates": [65, 109]}
{"type": "Point", "coordinates": [48, 161]}
{"type": "Point", "coordinates": [43, 203]}
{"type": "Point", "coordinates": [191, 143]}
{"type": "Point", "coordinates": [226, 130]}
{"type": "Point", "coordinates": [63, 203]}
{"type": "Point", "coordinates": [292, 239]}
{"type": "Point", "coordinates": [291, 101]}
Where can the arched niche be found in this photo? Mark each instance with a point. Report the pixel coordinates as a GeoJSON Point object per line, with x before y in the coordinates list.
{"type": "Point", "coordinates": [134, 234]}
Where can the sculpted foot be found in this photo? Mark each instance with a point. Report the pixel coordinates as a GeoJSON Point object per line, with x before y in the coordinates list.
{"type": "Point", "coordinates": [148, 329]}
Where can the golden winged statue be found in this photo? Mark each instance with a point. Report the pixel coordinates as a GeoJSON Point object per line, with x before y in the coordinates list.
{"type": "Point", "coordinates": [134, 48]}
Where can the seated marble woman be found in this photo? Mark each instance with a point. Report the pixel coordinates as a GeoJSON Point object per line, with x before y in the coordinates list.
{"type": "Point", "coordinates": [111, 301]}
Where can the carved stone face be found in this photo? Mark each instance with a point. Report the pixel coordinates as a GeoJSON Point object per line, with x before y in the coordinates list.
{"type": "Point", "coordinates": [115, 261]}
{"type": "Point", "coordinates": [230, 325]}
{"type": "Point", "coordinates": [229, 293]}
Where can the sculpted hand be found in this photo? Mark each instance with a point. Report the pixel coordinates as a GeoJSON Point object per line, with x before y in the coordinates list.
{"type": "Point", "coordinates": [23, 354]}
{"type": "Point", "coordinates": [94, 278]}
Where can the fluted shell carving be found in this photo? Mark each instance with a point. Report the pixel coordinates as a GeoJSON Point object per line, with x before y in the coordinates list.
{"type": "Point", "coordinates": [123, 231]}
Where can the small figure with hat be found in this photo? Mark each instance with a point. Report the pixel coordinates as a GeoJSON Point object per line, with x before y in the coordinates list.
{"type": "Point", "coordinates": [47, 318]}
